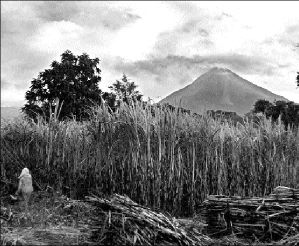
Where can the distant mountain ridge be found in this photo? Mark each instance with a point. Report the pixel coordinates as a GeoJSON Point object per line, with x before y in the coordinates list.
{"type": "Point", "coordinates": [9, 113]}
{"type": "Point", "coordinates": [220, 89]}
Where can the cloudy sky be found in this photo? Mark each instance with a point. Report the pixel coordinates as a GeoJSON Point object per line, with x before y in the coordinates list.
{"type": "Point", "coordinates": [162, 46]}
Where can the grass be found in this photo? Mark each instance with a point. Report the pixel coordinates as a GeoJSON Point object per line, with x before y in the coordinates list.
{"type": "Point", "coordinates": [158, 157]}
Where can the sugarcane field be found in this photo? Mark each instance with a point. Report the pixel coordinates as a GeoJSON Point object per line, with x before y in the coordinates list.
{"type": "Point", "coordinates": [149, 176]}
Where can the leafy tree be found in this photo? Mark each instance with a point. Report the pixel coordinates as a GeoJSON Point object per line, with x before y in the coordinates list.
{"type": "Point", "coordinates": [288, 111]}
{"type": "Point", "coordinates": [278, 109]}
{"type": "Point", "coordinates": [290, 115]}
{"type": "Point", "coordinates": [73, 82]}
{"type": "Point", "coordinates": [110, 99]}
{"type": "Point", "coordinates": [125, 91]}
{"type": "Point", "coordinates": [261, 106]}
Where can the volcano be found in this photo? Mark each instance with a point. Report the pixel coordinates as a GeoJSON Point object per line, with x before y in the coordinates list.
{"type": "Point", "coordinates": [220, 89]}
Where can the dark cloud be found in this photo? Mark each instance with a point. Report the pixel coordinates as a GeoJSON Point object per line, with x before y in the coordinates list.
{"type": "Point", "coordinates": [194, 27]}
{"type": "Point", "coordinates": [188, 8]}
{"type": "Point", "coordinates": [203, 32]}
{"type": "Point", "coordinates": [20, 64]}
{"type": "Point", "coordinates": [226, 15]}
{"type": "Point", "coordinates": [107, 16]}
{"type": "Point", "coordinates": [49, 11]}
{"type": "Point", "coordinates": [181, 69]}
{"type": "Point", "coordinates": [15, 26]}
{"type": "Point", "coordinates": [235, 61]}
{"type": "Point", "coordinates": [284, 65]}
{"type": "Point", "coordinates": [171, 41]}
{"type": "Point", "coordinates": [115, 21]}
{"type": "Point", "coordinates": [85, 14]}
{"type": "Point", "coordinates": [18, 60]}
{"type": "Point", "coordinates": [243, 63]}
{"type": "Point", "coordinates": [193, 32]}
{"type": "Point", "coordinates": [223, 16]}
{"type": "Point", "coordinates": [293, 29]}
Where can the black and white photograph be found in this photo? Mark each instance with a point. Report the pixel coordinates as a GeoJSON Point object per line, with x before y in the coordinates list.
{"type": "Point", "coordinates": [150, 123]}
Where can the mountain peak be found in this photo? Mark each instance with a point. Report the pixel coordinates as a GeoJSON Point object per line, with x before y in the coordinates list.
{"type": "Point", "coordinates": [220, 89]}
{"type": "Point", "coordinates": [219, 69]}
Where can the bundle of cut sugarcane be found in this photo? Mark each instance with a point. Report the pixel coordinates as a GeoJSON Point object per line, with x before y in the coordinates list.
{"type": "Point", "coordinates": [120, 221]}
{"type": "Point", "coordinates": [271, 218]}
{"type": "Point", "coordinates": [285, 194]}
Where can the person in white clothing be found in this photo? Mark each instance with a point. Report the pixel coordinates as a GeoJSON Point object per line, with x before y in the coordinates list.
{"type": "Point", "coordinates": [25, 188]}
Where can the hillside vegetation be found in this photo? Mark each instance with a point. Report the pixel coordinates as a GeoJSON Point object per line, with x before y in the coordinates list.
{"type": "Point", "coordinates": [158, 157]}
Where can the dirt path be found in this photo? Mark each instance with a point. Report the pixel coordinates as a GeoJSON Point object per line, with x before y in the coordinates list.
{"type": "Point", "coordinates": [50, 236]}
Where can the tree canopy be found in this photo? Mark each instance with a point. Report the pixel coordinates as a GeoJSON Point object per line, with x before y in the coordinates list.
{"type": "Point", "coordinates": [125, 91]}
{"type": "Point", "coordinates": [261, 106]}
{"type": "Point", "coordinates": [289, 111]}
{"type": "Point", "coordinates": [73, 82]}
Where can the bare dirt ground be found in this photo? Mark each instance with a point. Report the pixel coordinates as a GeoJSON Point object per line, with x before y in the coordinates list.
{"type": "Point", "coordinates": [50, 221]}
